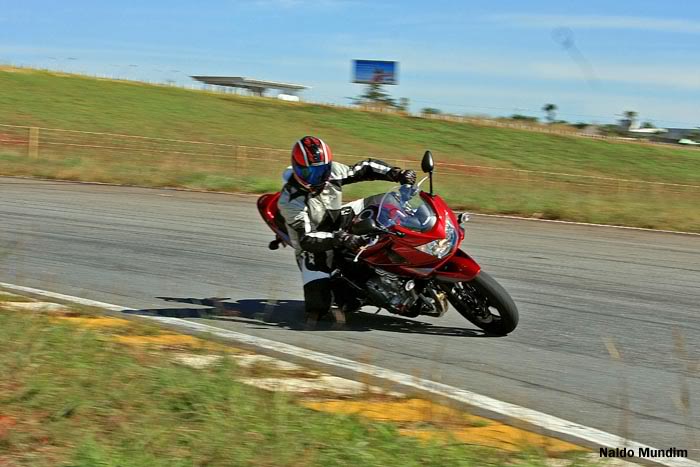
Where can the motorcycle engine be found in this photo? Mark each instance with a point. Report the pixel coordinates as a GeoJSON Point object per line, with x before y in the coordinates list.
{"type": "Point", "coordinates": [394, 293]}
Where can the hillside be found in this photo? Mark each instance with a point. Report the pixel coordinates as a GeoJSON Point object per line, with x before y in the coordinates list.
{"type": "Point", "coordinates": [74, 102]}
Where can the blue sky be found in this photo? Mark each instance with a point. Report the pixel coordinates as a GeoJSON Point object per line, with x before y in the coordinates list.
{"type": "Point", "coordinates": [497, 57]}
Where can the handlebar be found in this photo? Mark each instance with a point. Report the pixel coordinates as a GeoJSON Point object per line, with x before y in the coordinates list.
{"type": "Point", "coordinates": [373, 240]}
{"type": "Point", "coordinates": [384, 230]}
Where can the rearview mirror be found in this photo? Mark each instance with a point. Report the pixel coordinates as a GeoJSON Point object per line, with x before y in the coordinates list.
{"type": "Point", "coordinates": [366, 226]}
{"type": "Point", "coordinates": [427, 165]}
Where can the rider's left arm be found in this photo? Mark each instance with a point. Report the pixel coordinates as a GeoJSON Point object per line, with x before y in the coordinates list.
{"type": "Point", "coordinates": [366, 170]}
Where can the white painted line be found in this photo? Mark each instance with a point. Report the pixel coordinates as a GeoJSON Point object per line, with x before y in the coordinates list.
{"type": "Point", "coordinates": [47, 307]}
{"type": "Point", "coordinates": [588, 224]}
{"type": "Point", "coordinates": [67, 298]}
{"type": "Point", "coordinates": [322, 384]}
{"type": "Point", "coordinates": [553, 424]}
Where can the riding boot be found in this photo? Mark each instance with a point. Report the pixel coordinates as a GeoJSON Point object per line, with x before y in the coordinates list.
{"type": "Point", "coordinates": [318, 299]}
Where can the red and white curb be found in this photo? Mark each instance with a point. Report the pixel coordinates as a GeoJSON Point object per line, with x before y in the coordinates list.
{"type": "Point", "coordinates": [561, 428]}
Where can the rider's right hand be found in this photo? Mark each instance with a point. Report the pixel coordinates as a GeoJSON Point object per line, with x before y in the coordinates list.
{"type": "Point", "coordinates": [347, 240]}
{"type": "Point", "coordinates": [407, 177]}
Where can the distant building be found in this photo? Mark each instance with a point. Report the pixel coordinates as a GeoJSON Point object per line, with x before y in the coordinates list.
{"type": "Point", "coordinates": [257, 87]}
{"type": "Point", "coordinates": [591, 130]}
{"type": "Point", "coordinates": [662, 135]}
{"type": "Point", "coordinates": [677, 134]}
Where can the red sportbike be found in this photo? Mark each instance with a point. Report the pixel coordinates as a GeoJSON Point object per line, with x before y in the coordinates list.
{"type": "Point", "coordinates": [413, 264]}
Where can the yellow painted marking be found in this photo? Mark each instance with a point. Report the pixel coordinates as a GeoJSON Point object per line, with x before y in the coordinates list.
{"type": "Point", "coordinates": [174, 340]}
{"type": "Point", "coordinates": [101, 322]}
{"type": "Point", "coordinates": [402, 411]}
{"type": "Point", "coordinates": [447, 424]}
{"type": "Point", "coordinates": [156, 340]}
{"type": "Point", "coordinates": [161, 340]}
{"type": "Point", "coordinates": [168, 340]}
{"type": "Point", "coordinates": [612, 349]}
{"type": "Point", "coordinates": [498, 436]}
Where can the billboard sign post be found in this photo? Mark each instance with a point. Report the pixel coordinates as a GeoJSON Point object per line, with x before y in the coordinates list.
{"type": "Point", "coordinates": [375, 72]}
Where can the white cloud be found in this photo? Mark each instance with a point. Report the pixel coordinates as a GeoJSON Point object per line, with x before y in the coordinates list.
{"type": "Point", "coordinates": [598, 22]}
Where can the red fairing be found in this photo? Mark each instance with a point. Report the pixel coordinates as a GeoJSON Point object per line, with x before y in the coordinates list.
{"type": "Point", "coordinates": [460, 267]}
{"type": "Point", "coordinates": [400, 256]}
{"type": "Point", "coordinates": [267, 205]}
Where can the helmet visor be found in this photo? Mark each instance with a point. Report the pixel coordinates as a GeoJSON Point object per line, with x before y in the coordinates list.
{"type": "Point", "coordinates": [315, 175]}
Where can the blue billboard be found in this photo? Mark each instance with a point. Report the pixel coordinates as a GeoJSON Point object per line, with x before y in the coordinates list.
{"type": "Point", "coordinates": [375, 72]}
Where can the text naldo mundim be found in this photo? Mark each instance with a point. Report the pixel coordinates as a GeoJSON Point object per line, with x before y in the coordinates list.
{"type": "Point", "coordinates": [643, 452]}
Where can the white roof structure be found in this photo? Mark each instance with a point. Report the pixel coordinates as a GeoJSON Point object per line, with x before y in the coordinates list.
{"type": "Point", "coordinates": [648, 130]}
{"type": "Point", "coordinates": [256, 86]}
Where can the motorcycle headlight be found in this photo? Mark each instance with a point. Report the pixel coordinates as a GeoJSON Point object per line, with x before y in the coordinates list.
{"type": "Point", "coordinates": [443, 247]}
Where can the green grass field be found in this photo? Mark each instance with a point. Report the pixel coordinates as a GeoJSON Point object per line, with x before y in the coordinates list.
{"type": "Point", "coordinates": [35, 98]}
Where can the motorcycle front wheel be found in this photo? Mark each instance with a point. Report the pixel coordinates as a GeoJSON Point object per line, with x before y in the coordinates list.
{"type": "Point", "coordinates": [485, 303]}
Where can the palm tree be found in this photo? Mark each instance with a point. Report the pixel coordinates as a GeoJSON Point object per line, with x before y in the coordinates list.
{"type": "Point", "coordinates": [550, 110]}
{"type": "Point", "coordinates": [630, 115]}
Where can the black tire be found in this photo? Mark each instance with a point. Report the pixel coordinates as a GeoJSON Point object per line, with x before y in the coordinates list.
{"type": "Point", "coordinates": [485, 303]}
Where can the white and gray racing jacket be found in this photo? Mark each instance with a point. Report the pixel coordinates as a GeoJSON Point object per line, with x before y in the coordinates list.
{"type": "Point", "coordinates": [311, 219]}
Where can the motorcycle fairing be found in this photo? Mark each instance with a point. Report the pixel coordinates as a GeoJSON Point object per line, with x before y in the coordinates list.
{"type": "Point", "coordinates": [400, 256]}
{"type": "Point", "coordinates": [459, 268]}
{"type": "Point", "coordinates": [267, 205]}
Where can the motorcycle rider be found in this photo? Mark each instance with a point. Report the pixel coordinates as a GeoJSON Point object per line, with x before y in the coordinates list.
{"type": "Point", "coordinates": [311, 205]}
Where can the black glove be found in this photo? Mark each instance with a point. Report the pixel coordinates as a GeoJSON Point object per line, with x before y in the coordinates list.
{"type": "Point", "coordinates": [347, 240]}
{"type": "Point", "coordinates": [404, 177]}
{"type": "Point", "coordinates": [408, 177]}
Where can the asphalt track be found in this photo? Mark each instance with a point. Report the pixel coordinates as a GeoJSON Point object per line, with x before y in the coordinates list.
{"type": "Point", "coordinates": [585, 294]}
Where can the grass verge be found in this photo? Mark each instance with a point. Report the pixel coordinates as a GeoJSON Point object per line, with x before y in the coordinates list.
{"type": "Point", "coordinates": [74, 396]}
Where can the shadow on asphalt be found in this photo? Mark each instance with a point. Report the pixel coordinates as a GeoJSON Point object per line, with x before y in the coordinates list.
{"type": "Point", "coordinates": [289, 314]}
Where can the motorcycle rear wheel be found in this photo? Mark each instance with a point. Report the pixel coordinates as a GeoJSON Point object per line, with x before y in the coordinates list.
{"type": "Point", "coordinates": [485, 303]}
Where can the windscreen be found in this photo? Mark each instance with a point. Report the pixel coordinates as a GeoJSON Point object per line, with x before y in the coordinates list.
{"type": "Point", "coordinates": [403, 207]}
